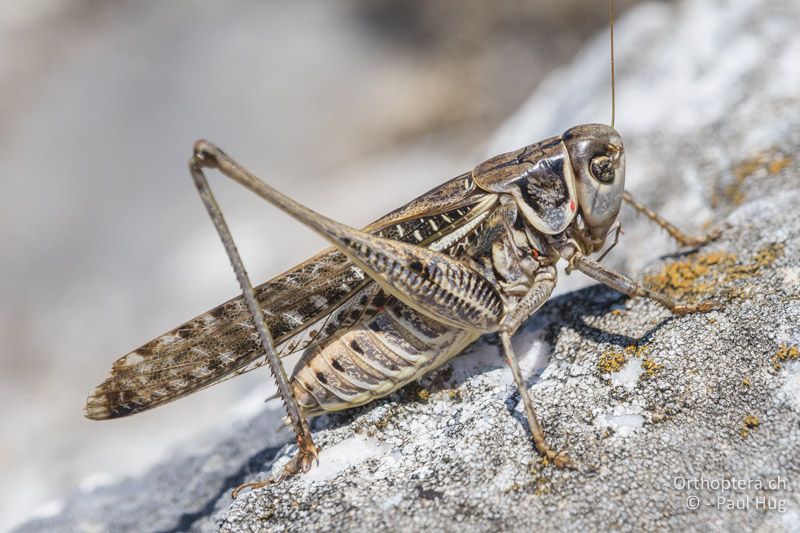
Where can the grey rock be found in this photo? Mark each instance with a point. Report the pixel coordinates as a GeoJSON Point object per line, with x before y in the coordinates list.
{"type": "Point", "coordinates": [184, 492]}
{"type": "Point", "coordinates": [462, 459]}
{"type": "Point", "coordinates": [710, 110]}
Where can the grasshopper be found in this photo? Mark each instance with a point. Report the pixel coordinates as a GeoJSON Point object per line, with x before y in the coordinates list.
{"type": "Point", "coordinates": [402, 296]}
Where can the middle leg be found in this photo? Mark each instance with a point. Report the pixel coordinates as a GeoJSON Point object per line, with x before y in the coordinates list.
{"type": "Point", "coordinates": [543, 284]}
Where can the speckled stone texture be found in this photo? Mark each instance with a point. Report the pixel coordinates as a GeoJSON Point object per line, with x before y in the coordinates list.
{"type": "Point", "coordinates": [656, 410]}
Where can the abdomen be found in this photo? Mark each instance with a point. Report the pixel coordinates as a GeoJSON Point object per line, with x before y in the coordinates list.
{"type": "Point", "coordinates": [374, 358]}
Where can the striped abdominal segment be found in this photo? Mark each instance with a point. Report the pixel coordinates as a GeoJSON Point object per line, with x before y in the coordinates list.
{"type": "Point", "coordinates": [374, 358]}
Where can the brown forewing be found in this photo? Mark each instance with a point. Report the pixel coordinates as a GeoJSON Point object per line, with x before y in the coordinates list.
{"type": "Point", "coordinates": [303, 307]}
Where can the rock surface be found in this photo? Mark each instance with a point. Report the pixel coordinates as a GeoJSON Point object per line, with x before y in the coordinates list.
{"type": "Point", "coordinates": [643, 401]}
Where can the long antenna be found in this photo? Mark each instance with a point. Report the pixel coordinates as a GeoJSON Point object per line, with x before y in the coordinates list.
{"type": "Point", "coordinates": [613, 81]}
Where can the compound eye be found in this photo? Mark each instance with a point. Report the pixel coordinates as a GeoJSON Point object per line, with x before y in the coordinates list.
{"type": "Point", "coordinates": [602, 169]}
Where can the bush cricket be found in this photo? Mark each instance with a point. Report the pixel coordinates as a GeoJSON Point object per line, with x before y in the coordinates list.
{"type": "Point", "coordinates": [393, 301]}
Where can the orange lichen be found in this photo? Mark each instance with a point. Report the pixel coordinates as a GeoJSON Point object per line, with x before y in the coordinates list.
{"type": "Point", "coordinates": [699, 275]}
{"type": "Point", "coordinates": [784, 353]}
{"type": "Point", "coordinates": [779, 164]}
{"type": "Point", "coordinates": [763, 258]}
{"type": "Point", "coordinates": [613, 360]}
{"type": "Point", "coordinates": [651, 368]}
{"type": "Point", "coordinates": [750, 422]}
{"type": "Point", "coordinates": [688, 275]}
{"type": "Point", "coordinates": [763, 164]}
{"type": "Point", "coordinates": [455, 395]}
{"type": "Point", "coordinates": [414, 391]}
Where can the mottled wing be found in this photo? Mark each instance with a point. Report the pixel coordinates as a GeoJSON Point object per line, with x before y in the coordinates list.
{"type": "Point", "coordinates": [303, 307]}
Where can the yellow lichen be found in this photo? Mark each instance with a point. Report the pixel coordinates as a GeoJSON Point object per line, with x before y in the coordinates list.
{"type": "Point", "coordinates": [651, 368]}
{"type": "Point", "coordinates": [779, 164]}
{"type": "Point", "coordinates": [751, 421]}
{"type": "Point", "coordinates": [763, 258]}
{"type": "Point", "coordinates": [700, 275]}
{"type": "Point", "coordinates": [415, 392]}
{"type": "Point", "coordinates": [784, 353]}
{"type": "Point", "coordinates": [455, 395]}
{"type": "Point", "coordinates": [687, 276]}
{"type": "Point", "coordinates": [541, 486]}
{"type": "Point", "coordinates": [383, 423]}
{"type": "Point", "coordinates": [763, 164]}
{"type": "Point", "coordinates": [746, 382]}
{"type": "Point", "coordinates": [424, 395]}
{"type": "Point", "coordinates": [613, 360]}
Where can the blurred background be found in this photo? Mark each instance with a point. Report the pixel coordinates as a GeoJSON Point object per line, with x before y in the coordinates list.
{"type": "Point", "coordinates": [353, 107]}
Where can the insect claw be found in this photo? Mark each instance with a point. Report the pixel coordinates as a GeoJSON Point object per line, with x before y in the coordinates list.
{"type": "Point", "coordinates": [302, 461]}
{"type": "Point", "coordinates": [562, 460]}
{"type": "Point", "coordinates": [717, 231]}
{"type": "Point", "coordinates": [709, 237]}
{"type": "Point", "coordinates": [307, 461]}
{"type": "Point", "coordinates": [252, 486]}
{"type": "Point", "coordinates": [307, 454]}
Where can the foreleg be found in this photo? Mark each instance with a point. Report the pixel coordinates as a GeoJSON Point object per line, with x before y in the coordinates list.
{"type": "Point", "coordinates": [625, 285]}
